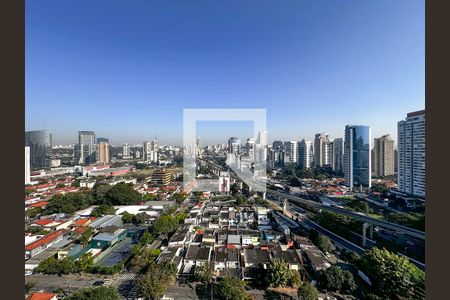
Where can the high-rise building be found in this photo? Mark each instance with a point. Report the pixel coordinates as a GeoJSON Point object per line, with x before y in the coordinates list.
{"type": "Point", "coordinates": [234, 145]}
{"type": "Point", "coordinates": [40, 143]}
{"type": "Point", "coordinates": [126, 151]}
{"type": "Point", "coordinates": [323, 150]}
{"type": "Point", "coordinates": [278, 148]}
{"type": "Point", "coordinates": [150, 151]}
{"type": "Point", "coordinates": [338, 155]}
{"type": "Point", "coordinates": [357, 156]}
{"type": "Point", "coordinates": [102, 140]}
{"type": "Point", "coordinates": [305, 153]}
{"type": "Point", "coordinates": [383, 156]}
{"type": "Point", "coordinates": [287, 152]}
{"type": "Point", "coordinates": [85, 151]}
{"type": "Point", "coordinates": [411, 154]}
{"type": "Point", "coordinates": [103, 152]}
{"type": "Point", "coordinates": [293, 152]}
{"type": "Point", "coordinates": [27, 165]}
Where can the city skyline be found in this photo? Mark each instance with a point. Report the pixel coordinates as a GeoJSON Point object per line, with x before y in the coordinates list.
{"type": "Point", "coordinates": [128, 75]}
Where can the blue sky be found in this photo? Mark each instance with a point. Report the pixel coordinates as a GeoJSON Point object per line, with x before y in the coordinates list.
{"type": "Point", "coordinates": [126, 69]}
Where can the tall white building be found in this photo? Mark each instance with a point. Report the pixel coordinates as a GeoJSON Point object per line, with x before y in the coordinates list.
{"type": "Point", "coordinates": [150, 151]}
{"type": "Point", "coordinates": [305, 153]}
{"type": "Point", "coordinates": [293, 152]}
{"type": "Point", "coordinates": [411, 154]}
{"type": "Point", "coordinates": [126, 151]}
{"type": "Point", "coordinates": [27, 165]}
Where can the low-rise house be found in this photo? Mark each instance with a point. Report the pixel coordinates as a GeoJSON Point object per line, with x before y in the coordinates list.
{"type": "Point", "coordinates": [254, 259]}
{"type": "Point", "coordinates": [290, 257]}
{"type": "Point", "coordinates": [197, 255]}
{"type": "Point", "coordinates": [108, 237]}
{"type": "Point", "coordinates": [316, 259]}
{"type": "Point", "coordinates": [225, 259]}
{"type": "Point", "coordinates": [42, 296]}
{"type": "Point", "coordinates": [43, 243]}
{"type": "Point", "coordinates": [233, 241]}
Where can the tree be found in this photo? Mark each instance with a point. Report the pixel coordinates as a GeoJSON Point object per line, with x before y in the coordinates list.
{"type": "Point", "coordinates": [294, 279]}
{"type": "Point", "coordinates": [335, 278]}
{"type": "Point", "coordinates": [149, 197]}
{"type": "Point", "coordinates": [203, 273]}
{"type": "Point", "coordinates": [84, 262]}
{"type": "Point", "coordinates": [97, 293]}
{"type": "Point", "coordinates": [154, 283]}
{"type": "Point", "coordinates": [325, 244]}
{"type": "Point", "coordinates": [179, 197]}
{"type": "Point", "coordinates": [100, 190]}
{"type": "Point", "coordinates": [127, 217]}
{"type": "Point", "coordinates": [392, 275]}
{"type": "Point", "coordinates": [231, 288]}
{"type": "Point", "coordinates": [103, 210]}
{"type": "Point", "coordinates": [123, 194]}
{"type": "Point", "coordinates": [52, 265]}
{"type": "Point", "coordinates": [33, 212]}
{"type": "Point", "coordinates": [278, 273]}
{"type": "Point", "coordinates": [308, 292]}
{"type": "Point", "coordinates": [146, 238]}
{"type": "Point", "coordinates": [76, 183]}
{"type": "Point", "coordinates": [140, 218]}
{"type": "Point", "coordinates": [86, 236]}
{"type": "Point", "coordinates": [165, 224]}
{"type": "Point", "coordinates": [180, 217]}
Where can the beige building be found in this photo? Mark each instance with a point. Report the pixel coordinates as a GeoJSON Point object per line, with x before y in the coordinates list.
{"type": "Point", "coordinates": [383, 157]}
{"type": "Point", "coordinates": [323, 150]}
{"type": "Point", "coordinates": [103, 152]}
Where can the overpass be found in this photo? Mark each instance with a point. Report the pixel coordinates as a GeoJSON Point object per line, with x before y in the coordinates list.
{"type": "Point", "coordinates": [360, 217]}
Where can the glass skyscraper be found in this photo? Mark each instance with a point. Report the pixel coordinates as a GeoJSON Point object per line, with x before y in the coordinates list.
{"type": "Point", "coordinates": [357, 156]}
{"type": "Point", "coordinates": [40, 143]}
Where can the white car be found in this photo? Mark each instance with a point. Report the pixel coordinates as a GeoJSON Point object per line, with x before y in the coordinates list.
{"type": "Point", "coordinates": [28, 272]}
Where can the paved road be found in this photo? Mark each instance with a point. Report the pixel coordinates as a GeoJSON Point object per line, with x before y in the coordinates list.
{"type": "Point", "coordinates": [177, 291]}
{"type": "Point", "coordinates": [66, 282]}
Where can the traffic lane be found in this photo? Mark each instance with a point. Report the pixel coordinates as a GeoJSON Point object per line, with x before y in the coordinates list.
{"type": "Point", "coordinates": [52, 282]}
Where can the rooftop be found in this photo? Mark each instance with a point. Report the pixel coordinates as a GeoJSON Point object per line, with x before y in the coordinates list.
{"type": "Point", "coordinates": [256, 256]}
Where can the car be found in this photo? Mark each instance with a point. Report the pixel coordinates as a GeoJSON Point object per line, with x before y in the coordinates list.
{"type": "Point", "coordinates": [28, 273]}
{"type": "Point", "coordinates": [98, 283]}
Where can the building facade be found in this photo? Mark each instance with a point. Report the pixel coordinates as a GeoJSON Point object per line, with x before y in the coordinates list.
{"type": "Point", "coordinates": [103, 152]}
{"type": "Point", "coordinates": [40, 143]}
{"type": "Point", "coordinates": [338, 153]}
{"type": "Point", "coordinates": [411, 154]}
{"type": "Point", "coordinates": [150, 151]}
{"type": "Point", "coordinates": [126, 151]}
{"type": "Point", "coordinates": [293, 152]}
{"type": "Point", "coordinates": [234, 145]}
{"type": "Point", "coordinates": [357, 156]}
{"type": "Point", "coordinates": [85, 151]}
{"type": "Point", "coordinates": [305, 153]}
{"type": "Point", "coordinates": [383, 156]}
{"type": "Point", "coordinates": [27, 165]}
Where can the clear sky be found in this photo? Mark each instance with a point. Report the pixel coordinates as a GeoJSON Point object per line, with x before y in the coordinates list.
{"type": "Point", "coordinates": [126, 69]}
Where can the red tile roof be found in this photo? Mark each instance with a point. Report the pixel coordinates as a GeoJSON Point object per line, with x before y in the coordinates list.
{"type": "Point", "coordinates": [81, 230]}
{"type": "Point", "coordinates": [81, 222]}
{"type": "Point", "coordinates": [41, 296]}
{"type": "Point", "coordinates": [39, 204]}
{"type": "Point", "coordinates": [43, 222]}
{"type": "Point", "coordinates": [45, 240]}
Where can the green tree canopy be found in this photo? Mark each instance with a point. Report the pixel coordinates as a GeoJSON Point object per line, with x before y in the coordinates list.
{"type": "Point", "coordinates": [308, 292]}
{"type": "Point", "coordinates": [97, 293]}
{"type": "Point", "coordinates": [102, 210]}
{"type": "Point", "coordinates": [154, 283]}
{"type": "Point", "coordinates": [390, 273]}
{"type": "Point", "coordinates": [69, 203]}
{"type": "Point", "coordinates": [325, 244]}
{"type": "Point", "coordinates": [335, 278]}
{"type": "Point", "coordinates": [203, 273]}
{"type": "Point", "coordinates": [231, 288]}
{"type": "Point", "coordinates": [165, 224]}
{"type": "Point", "coordinates": [84, 262]}
{"type": "Point", "coordinates": [146, 238]}
{"type": "Point", "coordinates": [127, 217]}
{"type": "Point", "coordinates": [278, 273]}
{"type": "Point", "coordinates": [123, 194]}
{"type": "Point", "coordinates": [140, 218]}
